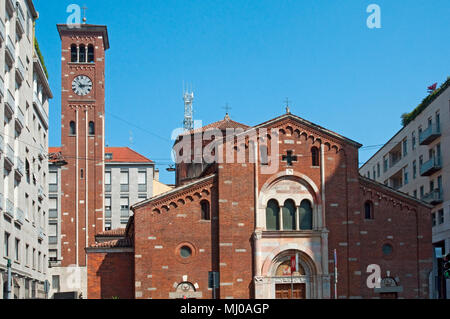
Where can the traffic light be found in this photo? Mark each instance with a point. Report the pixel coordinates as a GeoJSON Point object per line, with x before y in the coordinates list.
{"type": "Point", "coordinates": [446, 266]}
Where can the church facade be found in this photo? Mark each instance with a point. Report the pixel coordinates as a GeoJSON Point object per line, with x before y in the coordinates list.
{"type": "Point", "coordinates": [267, 209]}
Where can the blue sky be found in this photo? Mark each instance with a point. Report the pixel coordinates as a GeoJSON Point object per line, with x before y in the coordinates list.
{"type": "Point", "coordinates": [252, 54]}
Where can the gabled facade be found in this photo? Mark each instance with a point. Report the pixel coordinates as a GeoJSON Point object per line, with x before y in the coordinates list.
{"type": "Point", "coordinates": [297, 194]}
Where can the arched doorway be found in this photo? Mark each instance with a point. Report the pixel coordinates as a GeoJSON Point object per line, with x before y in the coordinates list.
{"type": "Point", "coordinates": [298, 285]}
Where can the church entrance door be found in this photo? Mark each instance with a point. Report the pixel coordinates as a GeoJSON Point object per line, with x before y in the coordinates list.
{"type": "Point", "coordinates": [284, 291]}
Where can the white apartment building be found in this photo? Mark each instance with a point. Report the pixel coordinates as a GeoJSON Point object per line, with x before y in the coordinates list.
{"type": "Point", "coordinates": [416, 161]}
{"type": "Point", "coordinates": [128, 180]}
{"type": "Point", "coordinates": [24, 103]}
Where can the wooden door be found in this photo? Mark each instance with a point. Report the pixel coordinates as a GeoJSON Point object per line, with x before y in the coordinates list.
{"type": "Point", "coordinates": [284, 291]}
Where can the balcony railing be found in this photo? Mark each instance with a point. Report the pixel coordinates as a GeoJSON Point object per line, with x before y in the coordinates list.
{"type": "Point", "coordinates": [40, 108]}
{"type": "Point", "coordinates": [9, 154]}
{"type": "Point", "coordinates": [53, 188]}
{"type": "Point", "coordinates": [20, 118]}
{"type": "Point", "coordinates": [20, 69]}
{"type": "Point", "coordinates": [19, 216]}
{"type": "Point", "coordinates": [432, 166]}
{"type": "Point", "coordinates": [53, 213]}
{"type": "Point", "coordinates": [10, 49]}
{"type": "Point", "coordinates": [40, 191]}
{"type": "Point", "coordinates": [142, 188]}
{"type": "Point", "coordinates": [20, 21]}
{"type": "Point", "coordinates": [10, 103]}
{"type": "Point", "coordinates": [2, 86]}
{"type": "Point", "coordinates": [9, 209]}
{"type": "Point", "coordinates": [19, 166]}
{"type": "Point", "coordinates": [2, 31]}
{"type": "Point", "coordinates": [124, 187]}
{"type": "Point", "coordinates": [434, 198]}
{"type": "Point", "coordinates": [124, 213]}
{"type": "Point", "coordinates": [107, 188]}
{"type": "Point", "coordinates": [430, 134]}
{"type": "Point", "coordinates": [41, 233]}
{"type": "Point", "coordinates": [108, 214]}
{"type": "Point", "coordinates": [52, 240]}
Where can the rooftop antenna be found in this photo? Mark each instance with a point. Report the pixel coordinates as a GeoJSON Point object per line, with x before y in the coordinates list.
{"type": "Point", "coordinates": [188, 98]}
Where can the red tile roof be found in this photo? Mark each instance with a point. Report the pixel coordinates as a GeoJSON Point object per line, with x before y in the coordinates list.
{"type": "Point", "coordinates": [119, 232]}
{"type": "Point", "coordinates": [118, 243]}
{"type": "Point", "coordinates": [222, 125]}
{"type": "Point", "coordinates": [119, 155]}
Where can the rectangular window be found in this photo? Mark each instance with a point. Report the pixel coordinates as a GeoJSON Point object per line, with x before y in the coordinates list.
{"type": "Point", "coordinates": [422, 192]}
{"type": "Point", "coordinates": [414, 140]}
{"type": "Point", "coordinates": [415, 193]}
{"type": "Point", "coordinates": [142, 178]}
{"type": "Point", "coordinates": [6, 245]}
{"type": "Point", "coordinates": [27, 257]}
{"type": "Point", "coordinates": [34, 258]}
{"type": "Point", "coordinates": [385, 164]}
{"type": "Point", "coordinates": [433, 219]}
{"type": "Point", "coordinates": [17, 250]}
{"type": "Point", "coordinates": [441, 216]}
{"type": "Point", "coordinates": [405, 147]}
{"type": "Point", "coordinates": [55, 283]}
{"type": "Point", "coordinates": [378, 170]}
{"type": "Point", "coordinates": [108, 178]}
{"type": "Point", "coordinates": [124, 178]}
{"type": "Point", "coordinates": [53, 255]}
{"type": "Point", "coordinates": [39, 262]}
{"type": "Point", "coordinates": [53, 178]}
{"type": "Point", "coordinates": [405, 176]}
{"type": "Point", "coordinates": [414, 170]}
{"type": "Point", "coordinates": [124, 202]}
{"type": "Point", "coordinates": [108, 203]}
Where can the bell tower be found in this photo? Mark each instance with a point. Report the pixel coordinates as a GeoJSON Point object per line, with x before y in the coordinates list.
{"type": "Point", "coordinates": [82, 138]}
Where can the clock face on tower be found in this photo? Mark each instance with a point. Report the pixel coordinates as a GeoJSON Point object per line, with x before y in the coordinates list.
{"type": "Point", "coordinates": [82, 85]}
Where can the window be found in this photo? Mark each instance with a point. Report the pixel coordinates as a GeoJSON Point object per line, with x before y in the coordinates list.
{"type": "Point", "coordinates": [206, 213]}
{"type": "Point", "coordinates": [272, 215]}
{"type": "Point", "coordinates": [185, 252]}
{"type": "Point", "coordinates": [415, 193]}
{"type": "Point", "coordinates": [306, 218]}
{"type": "Point", "coordinates": [142, 178]}
{"type": "Point", "coordinates": [73, 129]}
{"type": "Point", "coordinates": [108, 203]}
{"type": "Point", "coordinates": [414, 170]}
{"type": "Point", "coordinates": [422, 192]}
{"type": "Point", "coordinates": [17, 250]}
{"type": "Point", "coordinates": [124, 206]}
{"type": "Point", "coordinates": [53, 233]}
{"type": "Point", "coordinates": [441, 216]}
{"type": "Point", "coordinates": [413, 140]}
{"type": "Point", "coordinates": [438, 122]}
{"type": "Point", "coordinates": [378, 170]}
{"type": "Point", "coordinates": [27, 255]}
{"type": "Point", "coordinates": [385, 164]}
{"type": "Point", "coordinates": [6, 245]}
{"type": "Point", "coordinates": [81, 173]}
{"type": "Point", "coordinates": [124, 178]}
{"type": "Point", "coordinates": [73, 53]}
{"type": "Point", "coordinates": [55, 283]}
{"type": "Point", "coordinates": [289, 209]}
{"type": "Point", "coordinates": [387, 249]}
{"type": "Point", "coordinates": [82, 54]}
{"type": "Point", "coordinates": [34, 258]}
{"type": "Point", "coordinates": [433, 219]}
{"type": "Point", "coordinates": [405, 147]}
{"type": "Point", "coordinates": [368, 210]}
{"type": "Point", "coordinates": [109, 156]}
{"type": "Point", "coordinates": [315, 154]}
{"type": "Point", "coordinates": [91, 128]}
{"type": "Point", "coordinates": [53, 255]}
{"type": "Point", "coordinates": [90, 53]}
{"type": "Point", "coordinates": [405, 176]}
{"type": "Point", "coordinates": [374, 174]}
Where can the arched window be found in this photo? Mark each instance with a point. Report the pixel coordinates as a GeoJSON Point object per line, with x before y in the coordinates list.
{"type": "Point", "coordinates": [91, 128]}
{"type": "Point", "coordinates": [73, 53]}
{"type": "Point", "coordinates": [73, 129]}
{"type": "Point", "coordinates": [368, 210]}
{"type": "Point", "coordinates": [306, 215]}
{"type": "Point", "coordinates": [289, 215]}
{"type": "Point", "coordinates": [206, 213]}
{"type": "Point", "coordinates": [315, 156]}
{"type": "Point", "coordinates": [82, 53]}
{"type": "Point", "coordinates": [273, 215]}
{"type": "Point", "coordinates": [90, 53]}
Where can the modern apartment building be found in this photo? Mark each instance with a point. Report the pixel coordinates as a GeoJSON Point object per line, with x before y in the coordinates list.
{"type": "Point", "coordinates": [128, 180]}
{"type": "Point", "coordinates": [24, 103]}
{"type": "Point", "coordinates": [416, 161]}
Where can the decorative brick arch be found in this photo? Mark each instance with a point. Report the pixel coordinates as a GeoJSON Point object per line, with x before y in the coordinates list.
{"type": "Point", "coordinates": [313, 267]}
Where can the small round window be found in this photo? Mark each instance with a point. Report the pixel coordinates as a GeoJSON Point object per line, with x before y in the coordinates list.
{"type": "Point", "coordinates": [387, 250]}
{"type": "Point", "coordinates": [185, 252]}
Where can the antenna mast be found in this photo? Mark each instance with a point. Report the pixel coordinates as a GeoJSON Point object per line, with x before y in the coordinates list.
{"type": "Point", "coordinates": [188, 98]}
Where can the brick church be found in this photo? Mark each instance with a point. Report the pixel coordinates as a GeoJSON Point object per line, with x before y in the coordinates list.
{"type": "Point", "coordinates": [293, 192]}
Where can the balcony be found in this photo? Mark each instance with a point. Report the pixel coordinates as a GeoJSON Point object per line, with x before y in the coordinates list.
{"type": "Point", "coordinates": [9, 209]}
{"type": "Point", "coordinates": [20, 69]}
{"type": "Point", "coordinates": [10, 103]}
{"type": "Point", "coordinates": [2, 86]}
{"type": "Point", "coordinates": [9, 158]}
{"type": "Point", "coordinates": [434, 198]}
{"type": "Point", "coordinates": [20, 118]}
{"type": "Point", "coordinates": [19, 216]}
{"type": "Point", "coordinates": [41, 112]}
{"type": "Point", "coordinates": [2, 31]}
{"type": "Point", "coordinates": [10, 49]}
{"type": "Point", "coordinates": [432, 166]}
{"type": "Point", "coordinates": [20, 21]}
{"type": "Point", "coordinates": [19, 167]}
{"type": "Point", "coordinates": [41, 234]}
{"type": "Point", "coordinates": [2, 144]}
{"type": "Point", "coordinates": [1, 201]}
{"type": "Point", "coordinates": [430, 134]}
{"type": "Point", "coordinates": [40, 192]}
